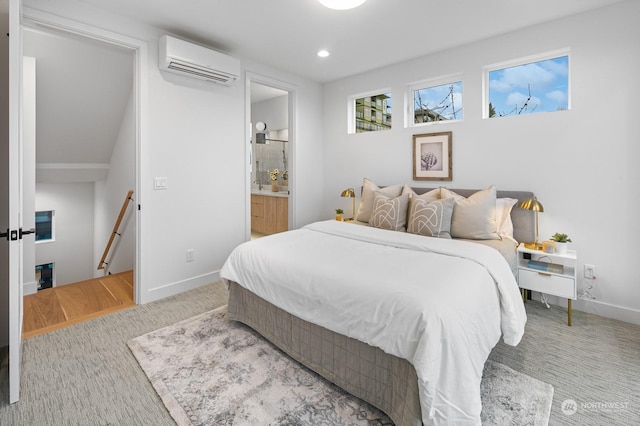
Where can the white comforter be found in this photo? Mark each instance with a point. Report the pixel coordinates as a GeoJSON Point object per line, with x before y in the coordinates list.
{"type": "Point", "coordinates": [441, 304]}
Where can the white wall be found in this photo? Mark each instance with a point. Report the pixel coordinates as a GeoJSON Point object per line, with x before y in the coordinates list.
{"type": "Point", "coordinates": [582, 163]}
{"type": "Point", "coordinates": [196, 138]}
{"type": "Point", "coordinates": [30, 285]}
{"type": "Point", "coordinates": [109, 198]}
{"type": "Point", "coordinates": [72, 250]}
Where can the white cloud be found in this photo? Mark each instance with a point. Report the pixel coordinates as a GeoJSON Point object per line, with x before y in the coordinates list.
{"type": "Point", "coordinates": [500, 86]}
{"type": "Point", "coordinates": [557, 96]}
{"type": "Point", "coordinates": [518, 99]}
{"type": "Point", "coordinates": [530, 74]}
{"type": "Point", "coordinates": [555, 67]}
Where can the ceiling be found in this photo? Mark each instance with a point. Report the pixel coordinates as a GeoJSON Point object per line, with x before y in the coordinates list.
{"type": "Point", "coordinates": [84, 85]}
{"type": "Point", "coordinates": [286, 34]}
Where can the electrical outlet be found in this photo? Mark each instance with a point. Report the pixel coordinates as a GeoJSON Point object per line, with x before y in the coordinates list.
{"type": "Point", "coordinates": [190, 255]}
{"type": "Point", "coordinates": [590, 271]}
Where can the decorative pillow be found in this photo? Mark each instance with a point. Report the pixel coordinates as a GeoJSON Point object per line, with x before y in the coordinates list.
{"type": "Point", "coordinates": [503, 216]}
{"type": "Point", "coordinates": [432, 195]}
{"type": "Point", "coordinates": [432, 219]}
{"type": "Point", "coordinates": [474, 218]}
{"type": "Point", "coordinates": [389, 213]}
{"type": "Point", "coordinates": [366, 202]}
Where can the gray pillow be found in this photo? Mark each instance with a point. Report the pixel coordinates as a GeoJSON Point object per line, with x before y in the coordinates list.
{"type": "Point", "coordinates": [432, 219]}
{"type": "Point", "coordinates": [366, 202]}
{"type": "Point", "coordinates": [473, 218]}
{"type": "Point", "coordinates": [389, 213]}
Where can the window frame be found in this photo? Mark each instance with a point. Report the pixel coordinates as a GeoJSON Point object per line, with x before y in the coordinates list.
{"type": "Point", "coordinates": [525, 60]}
{"type": "Point", "coordinates": [53, 228]}
{"type": "Point", "coordinates": [428, 84]}
{"type": "Point", "coordinates": [351, 108]}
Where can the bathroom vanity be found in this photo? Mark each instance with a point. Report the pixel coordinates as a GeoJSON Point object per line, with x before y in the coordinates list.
{"type": "Point", "coordinates": [269, 211]}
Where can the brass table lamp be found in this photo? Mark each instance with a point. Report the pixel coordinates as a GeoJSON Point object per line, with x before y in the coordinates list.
{"type": "Point", "coordinates": [534, 205]}
{"type": "Point", "coordinates": [350, 193]}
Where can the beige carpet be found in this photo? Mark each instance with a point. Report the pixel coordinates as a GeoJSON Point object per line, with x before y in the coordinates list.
{"type": "Point", "coordinates": [208, 370]}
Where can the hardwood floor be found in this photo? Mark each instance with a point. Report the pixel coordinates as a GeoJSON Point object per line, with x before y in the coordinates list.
{"type": "Point", "coordinates": [59, 307]}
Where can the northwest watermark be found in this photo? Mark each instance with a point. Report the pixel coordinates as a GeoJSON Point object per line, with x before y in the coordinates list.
{"type": "Point", "coordinates": [569, 406]}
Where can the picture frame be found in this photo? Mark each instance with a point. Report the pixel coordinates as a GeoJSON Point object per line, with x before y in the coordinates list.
{"type": "Point", "coordinates": [432, 159]}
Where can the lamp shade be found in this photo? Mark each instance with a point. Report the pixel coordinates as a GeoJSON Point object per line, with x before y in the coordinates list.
{"type": "Point", "coordinates": [531, 204]}
{"type": "Point", "coordinates": [349, 193]}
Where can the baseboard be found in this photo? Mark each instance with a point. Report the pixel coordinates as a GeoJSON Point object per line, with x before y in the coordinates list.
{"type": "Point", "coordinates": [30, 288]}
{"type": "Point", "coordinates": [179, 287]}
{"type": "Point", "coordinates": [596, 307]}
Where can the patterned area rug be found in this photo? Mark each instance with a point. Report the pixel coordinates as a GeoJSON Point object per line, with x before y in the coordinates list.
{"type": "Point", "coordinates": [208, 370]}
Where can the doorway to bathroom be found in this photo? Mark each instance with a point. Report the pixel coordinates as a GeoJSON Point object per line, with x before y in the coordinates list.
{"type": "Point", "coordinates": [271, 171]}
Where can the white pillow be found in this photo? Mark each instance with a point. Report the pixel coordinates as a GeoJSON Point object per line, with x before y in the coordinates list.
{"type": "Point", "coordinates": [368, 194]}
{"type": "Point", "coordinates": [429, 196]}
{"type": "Point", "coordinates": [474, 218]}
{"type": "Point", "coordinates": [503, 216]}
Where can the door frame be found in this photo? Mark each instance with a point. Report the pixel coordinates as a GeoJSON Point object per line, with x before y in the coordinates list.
{"type": "Point", "coordinates": [42, 20]}
{"type": "Point", "coordinates": [15, 198]}
{"type": "Point", "coordinates": [19, 17]}
{"type": "Point", "coordinates": [252, 77]}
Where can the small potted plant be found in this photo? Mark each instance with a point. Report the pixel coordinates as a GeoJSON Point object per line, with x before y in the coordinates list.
{"type": "Point", "coordinates": [339, 213]}
{"type": "Point", "coordinates": [561, 242]}
{"type": "Point", "coordinates": [285, 178]}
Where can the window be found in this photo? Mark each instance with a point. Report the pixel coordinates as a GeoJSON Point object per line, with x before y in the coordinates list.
{"type": "Point", "coordinates": [44, 276]}
{"type": "Point", "coordinates": [371, 113]}
{"type": "Point", "coordinates": [538, 84]}
{"type": "Point", "coordinates": [45, 226]}
{"type": "Point", "coordinates": [435, 100]}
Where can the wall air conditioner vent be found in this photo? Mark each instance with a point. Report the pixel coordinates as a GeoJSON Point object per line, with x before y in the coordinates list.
{"type": "Point", "coordinates": [188, 59]}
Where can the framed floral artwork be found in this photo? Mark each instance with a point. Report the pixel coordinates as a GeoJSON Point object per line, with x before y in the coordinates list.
{"type": "Point", "coordinates": [432, 156]}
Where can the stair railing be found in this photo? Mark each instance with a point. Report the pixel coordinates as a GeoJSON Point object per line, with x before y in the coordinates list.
{"type": "Point", "coordinates": [116, 228]}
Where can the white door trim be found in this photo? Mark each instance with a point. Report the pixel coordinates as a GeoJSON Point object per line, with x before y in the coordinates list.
{"type": "Point", "coordinates": [15, 198]}
{"type": "Point", "coordinates": [253, 77]}
{"type": "Point", "coordinates": [36, 18]}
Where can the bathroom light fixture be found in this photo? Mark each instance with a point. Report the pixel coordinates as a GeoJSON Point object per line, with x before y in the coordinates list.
{"type": "Point", "coordinates": [323, 53]}
{"type": "Point", "coordinates": [350, 193]}
{"type": "Point", "coordinates": [341, 4]}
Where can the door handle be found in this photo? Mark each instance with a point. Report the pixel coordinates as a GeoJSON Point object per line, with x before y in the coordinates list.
{"type": "Point", "coordinates": [10, 235]}
{"type": "Point", "coordinates": [30, 231]}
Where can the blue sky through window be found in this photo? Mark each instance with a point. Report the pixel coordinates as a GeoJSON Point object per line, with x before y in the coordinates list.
{"type": "Point", "coordinates": [443, 102]}
{"type": "Point", "coordinates": [534, 87]}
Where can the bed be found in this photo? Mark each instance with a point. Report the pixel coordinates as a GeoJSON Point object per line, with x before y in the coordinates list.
{"type": "Point", "coordinates": [400, 320]}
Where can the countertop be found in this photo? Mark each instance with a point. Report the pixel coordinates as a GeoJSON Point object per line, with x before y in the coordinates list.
{"type": "Point", "coordinates": [283, 193]}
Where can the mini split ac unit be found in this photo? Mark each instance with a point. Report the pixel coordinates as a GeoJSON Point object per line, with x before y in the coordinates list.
{"type": "Point", "coordinates": [188, 59]}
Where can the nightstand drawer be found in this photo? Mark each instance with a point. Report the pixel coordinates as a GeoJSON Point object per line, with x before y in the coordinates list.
{"type": "Point", "coordinates": [550, 284]}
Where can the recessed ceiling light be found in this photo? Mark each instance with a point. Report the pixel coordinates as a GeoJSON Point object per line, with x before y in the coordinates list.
{"type": "Point", "coordinates": [323, 53]}
{"type": "Point", "coordinates": [341, 4]}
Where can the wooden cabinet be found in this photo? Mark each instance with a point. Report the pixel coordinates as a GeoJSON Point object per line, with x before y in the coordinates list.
{"type": "Point", "coordinates": [269, 215]}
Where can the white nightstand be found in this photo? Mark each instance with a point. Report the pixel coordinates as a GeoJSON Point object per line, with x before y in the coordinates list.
{"type": "Point", "coordinates": [561, 283]}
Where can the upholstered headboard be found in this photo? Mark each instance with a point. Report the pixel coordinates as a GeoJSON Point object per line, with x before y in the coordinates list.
{"type": "Point", "coordinates": [524, 227]}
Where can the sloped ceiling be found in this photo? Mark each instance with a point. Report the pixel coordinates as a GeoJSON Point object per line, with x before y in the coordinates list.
{"type": "Point", "coordinates": [82, 89]}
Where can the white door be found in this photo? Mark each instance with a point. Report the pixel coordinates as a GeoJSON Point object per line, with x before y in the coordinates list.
{"type": "Point", "coordinates": [15, 198]}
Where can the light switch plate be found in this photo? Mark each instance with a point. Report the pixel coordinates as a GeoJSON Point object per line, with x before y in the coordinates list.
{"type": "Point", "coordinates": [160, 183]}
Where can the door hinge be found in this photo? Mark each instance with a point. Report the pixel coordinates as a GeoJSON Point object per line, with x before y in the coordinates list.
{"type": "Point", "coordinates": [5, 234]}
